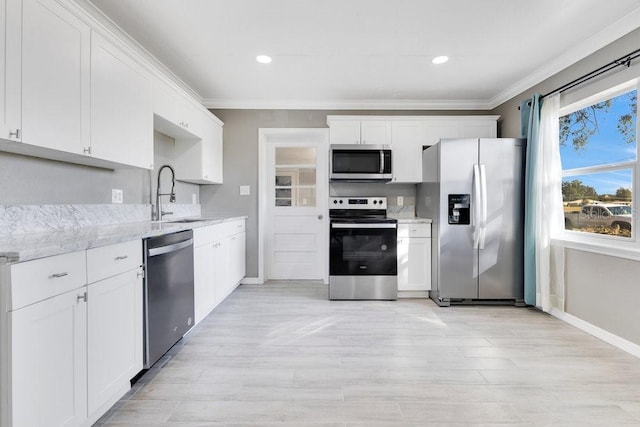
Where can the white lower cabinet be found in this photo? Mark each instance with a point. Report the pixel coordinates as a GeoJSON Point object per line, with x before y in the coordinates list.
{"type": "Point", "coordinates": [204, 272]}
{"type": "Point", "coordinates": [114, 331]}
{"type": "Point", "coordinates": [219, 264]}
{"type": "Point", "coordinates": [114, 323]}
{"type": "Point", "coordinates": [414, 257]}
{"type": "Point", "coordinates": [68, 350]}
{"type": "Point", "coordinates": [49, 362]}
{"type": "Point", "coordinates": [43, 352]}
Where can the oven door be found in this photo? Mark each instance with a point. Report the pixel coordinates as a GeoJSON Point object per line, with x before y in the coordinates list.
{"type": "Point", "coordinates": [363, 249]}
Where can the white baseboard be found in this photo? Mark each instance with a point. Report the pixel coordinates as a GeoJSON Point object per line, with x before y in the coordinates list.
{"type": "Point", "coordinates": [251, 281]}
{"type": "Point", "coordinates": [413, 294]}
{"type": "Point", "coordinates": [606, 336]}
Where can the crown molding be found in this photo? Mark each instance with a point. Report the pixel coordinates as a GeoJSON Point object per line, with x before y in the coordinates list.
{"type": "Point", "coordinates": [407, 105]}
{"type": "Point", "coordinates": [588, 46]}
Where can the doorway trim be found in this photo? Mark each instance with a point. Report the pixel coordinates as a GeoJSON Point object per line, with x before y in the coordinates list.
{"type": "Point", "coordinates": [265, 136]}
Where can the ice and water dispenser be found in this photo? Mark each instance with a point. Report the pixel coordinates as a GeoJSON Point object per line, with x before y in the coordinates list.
{"type": "Point", "coordinates": [459, 209]}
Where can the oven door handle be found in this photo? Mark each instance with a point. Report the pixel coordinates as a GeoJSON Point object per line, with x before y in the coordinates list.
{"type": "Point", "coordinates": [383, 225]}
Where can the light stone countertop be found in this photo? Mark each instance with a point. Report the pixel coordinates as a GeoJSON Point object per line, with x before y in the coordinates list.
{"type": "Point", "coordinates": [414, 221]}
{"type": "Point", "coordinates": [28, 246]}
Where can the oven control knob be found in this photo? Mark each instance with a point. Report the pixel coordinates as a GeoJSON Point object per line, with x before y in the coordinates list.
{"type": "Point", "coordinates": [335, 201]}
{"type": "Point", "coordinates": [380, 201]}
{"type": "Point", "coordinates": [340, 202]}
{"type": "Point", "coordinates": [383, 248]}
{"type": "Point", "coordinates": [375, 201]}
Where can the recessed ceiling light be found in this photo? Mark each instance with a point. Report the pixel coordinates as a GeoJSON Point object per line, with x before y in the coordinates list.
{"type": "Point", "coordinates": [440, 59]}
{"type": "Point", "coordinates": [263, 59]}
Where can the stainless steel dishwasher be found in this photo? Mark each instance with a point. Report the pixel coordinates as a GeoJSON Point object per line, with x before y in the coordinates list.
{"type": "Point", "coordinates": [168, 292]}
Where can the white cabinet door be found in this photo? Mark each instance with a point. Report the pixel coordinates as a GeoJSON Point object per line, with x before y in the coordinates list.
{"type": "Point", "coordinates": [200, 160]}
{"type": "Point", "coordinates": [434, 132]}
{"type": "Point", "coordinates": [407, 151]}
{"type": "Point", "coordinates": [203, 280]}
{"type": "Point", "coordinates": [237, 258]}
{"type": "Point", "coordinates": [375, 132]}
{"type": "Point", "coordinates": [49, 364]}
{"type": "Point", "coordinates": [55, 77]}
{"type": "Point", "coordinates": [221, 270]}
{"type": "Point", "coordinates": [121, 114]}
{"type": "Point", "coordinates": [344, 132]}
{"type": "Point", "coordinates": [114, 337]}
{"type": "Point", "coordinates": [414, 264]}
{"type": "Point", "coordinates": [212, 154]}
{"type": "Point", "coordinates": [10, 69]}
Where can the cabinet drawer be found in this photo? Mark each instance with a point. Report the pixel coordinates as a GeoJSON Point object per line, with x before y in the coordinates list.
{"type": "Point", "coordinates": [229, 228]}
{"type": "Point", "coordinates": [414, 230]}
{"type": "Point", "coordinates": [107, 261]}
{"type": "Point", "coordinates": [36, 280]}
{"type": "Point", "coordinates": [203, 236]}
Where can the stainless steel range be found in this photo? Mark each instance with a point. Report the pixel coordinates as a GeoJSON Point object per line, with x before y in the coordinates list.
{"type": "Point", "coordinates": [362, 255]}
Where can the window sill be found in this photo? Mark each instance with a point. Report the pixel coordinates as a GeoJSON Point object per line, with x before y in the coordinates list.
{"type": "Point", "coordinates": [602, 248]}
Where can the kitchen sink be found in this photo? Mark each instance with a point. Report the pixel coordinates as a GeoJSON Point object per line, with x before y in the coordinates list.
{"type": "Point", "coordinates": [187, 220]}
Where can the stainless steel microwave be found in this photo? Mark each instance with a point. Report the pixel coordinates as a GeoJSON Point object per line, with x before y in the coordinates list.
{"type": "Point", "coordinates": [360, 162]}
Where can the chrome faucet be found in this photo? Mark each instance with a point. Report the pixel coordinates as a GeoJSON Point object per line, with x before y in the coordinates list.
{"type": "Point", "coordinates": [172, 195]}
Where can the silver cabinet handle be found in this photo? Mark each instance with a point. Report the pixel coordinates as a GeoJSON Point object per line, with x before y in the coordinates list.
{"type": "Point", "coordinates": [58, 275]}
{"type": "Point", "coordinates": [82, 297]}
{"type": "Point", "coordinates": [320, 216]}
{"type": "Point", "coordinates": [121, 257]}
{"type": "Point", "coordinates": [14, 134]}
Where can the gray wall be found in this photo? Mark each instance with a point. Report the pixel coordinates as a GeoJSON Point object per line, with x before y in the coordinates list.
{"type": "Point", "coordinates": [241, 164]}
{"type": "Point", "coordinates": [599, 289]}
{"type": "Point", "coordinates": [30, 180]}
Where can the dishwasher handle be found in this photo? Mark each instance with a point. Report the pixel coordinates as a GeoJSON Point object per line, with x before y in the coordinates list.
{"type": "Point", "coordinates": [169, 248]}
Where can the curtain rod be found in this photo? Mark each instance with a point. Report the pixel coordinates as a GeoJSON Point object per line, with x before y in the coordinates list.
{"type": "Point", "coordinates": [620, 62]}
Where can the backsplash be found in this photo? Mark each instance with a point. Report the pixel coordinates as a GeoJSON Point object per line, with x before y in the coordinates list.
{"type": "Point", "coordinates": [19, 219]}
{"type": "Point", "coordinates": [401, 212]}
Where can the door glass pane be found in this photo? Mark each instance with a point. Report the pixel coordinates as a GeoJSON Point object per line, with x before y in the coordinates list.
{"type": "Point", "coordinates": [295, 176]}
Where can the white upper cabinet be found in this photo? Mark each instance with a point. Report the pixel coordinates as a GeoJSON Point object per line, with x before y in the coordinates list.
{"type": "Point", "coordinates": [174, 114]}
{"type": "Point", "coordinates": [344, 132]}
{"type": "Point", "coordinates": [48, 59]}
{"type": "Point", "coordinates": [10, 73]}
{"type": "Point", "coordinates": [121, 113]}
{"type": "Point", "coordinates": [200, 160]}
{"type": "Point", "coordinates": [407, 146]}
{"type": "Point", "coordinates": [376, 132]}
{"type": "Point", "coordinates": [407, 135]}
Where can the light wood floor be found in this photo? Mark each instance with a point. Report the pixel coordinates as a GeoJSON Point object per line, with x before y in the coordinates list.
{"type": "Point", "coordinates": [283, 355]}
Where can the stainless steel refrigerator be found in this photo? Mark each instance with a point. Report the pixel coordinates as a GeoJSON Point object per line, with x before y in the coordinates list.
{"type": "Point", "coordinates": [472, 189]}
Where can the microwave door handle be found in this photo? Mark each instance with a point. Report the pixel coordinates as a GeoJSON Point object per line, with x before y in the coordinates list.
{"type": "Point", "coordinates": [381, 161]}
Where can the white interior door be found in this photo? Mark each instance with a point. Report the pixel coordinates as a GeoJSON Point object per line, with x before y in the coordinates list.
{"type": "Point", "coordinates": [296, 192]}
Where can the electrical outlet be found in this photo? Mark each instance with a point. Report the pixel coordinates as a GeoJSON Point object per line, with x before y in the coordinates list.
{"type": "Point", "coordinates": [117, 195]}
{"type": "Point", "coordinates": [400, 201]}
{"type": "Point", "coordinates": [245, 190]}
{"type": "Point", "coordinates": [194, 199]}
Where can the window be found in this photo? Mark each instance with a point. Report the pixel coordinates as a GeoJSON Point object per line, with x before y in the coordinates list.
{"type": "Point", "coordinates": [598, 149]}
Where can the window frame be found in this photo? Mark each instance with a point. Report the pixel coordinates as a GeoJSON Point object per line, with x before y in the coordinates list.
{"type": "Point", "coordinates": [601, 243]}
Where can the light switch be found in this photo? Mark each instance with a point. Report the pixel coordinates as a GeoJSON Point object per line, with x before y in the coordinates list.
{"type": "Point", "coordinates": [245, 190]}
{"type": "Point", "coordinates": [400, 201]}
{"type": "Point", "coordinates": [117, 195]}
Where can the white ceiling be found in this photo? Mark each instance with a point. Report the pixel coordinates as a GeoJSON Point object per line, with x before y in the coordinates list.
{"type": "Point", "coordinates": [369, 54]}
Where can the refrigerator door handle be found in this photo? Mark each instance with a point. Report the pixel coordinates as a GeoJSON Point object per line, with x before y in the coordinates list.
{"type": "Point", "coordinates": [483, 207]}
{"type": "Point", "coordinates": [477, 215]}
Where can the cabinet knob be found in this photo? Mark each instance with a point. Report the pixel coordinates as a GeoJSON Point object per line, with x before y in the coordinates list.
{"type": "Point", "coordinates": [320, 216]}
